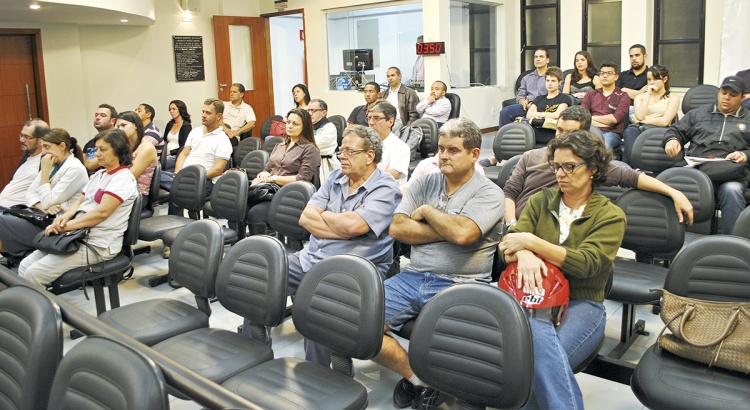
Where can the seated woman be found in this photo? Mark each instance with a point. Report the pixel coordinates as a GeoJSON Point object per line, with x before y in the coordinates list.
{"type": "Point", "coordinates": [177, 131]}
{"type": "Point", "coordinates": [655, 108]}
{"type": "Point", "coordinates": [56, 188]}
{"type": "Point", "coordinates": [105, 205]}
{"type": "Point", "coordinates": [548, 107]}
{"type": "Point", "coordinates": [578, 230]}
{"type": "Point", "coordinates": [144, 152]}
{"type": "Point", "coordinates": [583, 78]}
{"type": "Point", "coordinates": [296, 159]}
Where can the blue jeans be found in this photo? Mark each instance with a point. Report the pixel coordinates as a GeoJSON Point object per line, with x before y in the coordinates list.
{"type": "Point", "coordinates": [731, 197]}
{"type": "Point", "coordinates": [611, 139]}
{"type": "Point", "coordinates": [558, 350]}
{"type": "Point", "coordinates": [509, 113]}
{"type": "Point", "coordinates": [406, 294]}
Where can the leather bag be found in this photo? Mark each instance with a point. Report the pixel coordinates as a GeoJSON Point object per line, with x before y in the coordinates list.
{"type": "Point", "coordinates": [714, 333]}
{"type": "Point", "coordinates": [33, 215]}
{"type": "Point", "coordinates": [262, 192]}
{"type": "Point", "coordinates": [66, 242]}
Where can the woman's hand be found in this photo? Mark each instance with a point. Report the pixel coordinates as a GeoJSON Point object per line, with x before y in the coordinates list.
{"type": "Point", "coordinates": [46, 164]}
{"type": "Point", "coordinates": [53, 210]}
{"type": "Point", "coordinates": [514, 242]}
{"type": "Point", "coordinates": [263, 177]}
{"type": "Point", "coordinates": [531, 270]}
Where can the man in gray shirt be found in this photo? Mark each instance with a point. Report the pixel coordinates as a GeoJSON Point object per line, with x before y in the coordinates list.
{"type": "Point", "coordinates": [453, 220]}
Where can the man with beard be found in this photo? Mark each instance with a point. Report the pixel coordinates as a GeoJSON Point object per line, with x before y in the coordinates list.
{"type": "Point", "coordinates": [104, 119]}
{"type": "Point", "coordinates": [15, 192]}
{"type": "Point", "coordinates": [633, 81]}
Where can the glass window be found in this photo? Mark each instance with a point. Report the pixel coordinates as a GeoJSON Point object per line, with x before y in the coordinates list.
{"type": "Point", "coordinates": [602, 26]}
{"type": "Point", "coordinates": [678, 39]}
{"type": "Point", "coordinates": [540, 27]}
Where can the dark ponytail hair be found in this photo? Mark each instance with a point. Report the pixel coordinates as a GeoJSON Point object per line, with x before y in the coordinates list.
{"type": "Point", "coordinates": [59, 136]}
{"type": "Point", "coordinates": [660, 72]}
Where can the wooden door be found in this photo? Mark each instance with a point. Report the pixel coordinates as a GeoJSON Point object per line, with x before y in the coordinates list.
{"type": "Point", "coordinates": [232, 32]}
{"type": "Point", "coordinates": [20, 69]}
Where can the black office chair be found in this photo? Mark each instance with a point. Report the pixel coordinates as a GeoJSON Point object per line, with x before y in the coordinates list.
{"type": "Point", "coordinates": [265, 128]}
{"type": "Point", "coordinates": [511, 140]}
{"type": "Point", "coordinates": [506, 171]}
{"type": "Point", "coordinates": [428, 145]}
{"type": "Point", "coordinates": [285, 210]}
{"type": "Point", "coordinates": [271, 143]}
{"type": "Point", "coordinates": [712, 268]}
{"type": "Point", "coordinates": [193, 262]}
{"type": "Point", "coordinates": [100, 373]}
{"type": "Point", "coordinates": [648, 154]}
{"type": "Point", "coordinates": [340, 122]}
{"type": "Point", "coordinates": [473, 342]}
{"type": "Point", "coordinates": [243, 148]}
{"type": "Point", "coordinates": [698, 96]}
{"type": "Point", "coordinates": [511, 101]}
{"type": "Point", "coordinates": [254, 163]}
{"type": "Point", "coordinates": [339, 304]}
{"type": "Point", "coordinates": [742, 226]}
{"type": "Point", "coordinates": [153, 194]}
{"type": "Point", "coordinates": [455, 105]}
{"type": "Point", "coordinates": [31, 346]}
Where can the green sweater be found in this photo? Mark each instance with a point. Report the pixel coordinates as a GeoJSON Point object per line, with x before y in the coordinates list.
{"type": "Point", "coordinates": [591, 246]}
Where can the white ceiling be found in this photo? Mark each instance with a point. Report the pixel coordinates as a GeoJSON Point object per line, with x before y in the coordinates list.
{"type": "Point", "coordinates": [19, 11]}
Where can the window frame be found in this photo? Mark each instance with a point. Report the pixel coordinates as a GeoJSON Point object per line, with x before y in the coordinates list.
{"type": "Point", "coordinates": [587, 43]}
{"type": "Point", "coordinates": [658, 42]}
{"type": "Point", "coordinates": [528, 47]}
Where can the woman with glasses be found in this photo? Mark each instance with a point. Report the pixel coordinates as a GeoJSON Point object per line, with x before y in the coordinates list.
{"type": "Point", "coordinates": [584, 77]}
{"type": "Point", "coordinates": [295, 159]}
{"type": "Point", "coordinates": [578, 230]}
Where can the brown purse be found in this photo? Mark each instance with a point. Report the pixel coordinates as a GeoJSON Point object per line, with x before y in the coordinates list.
{"type": "Point", "coordinates": [715, 333]}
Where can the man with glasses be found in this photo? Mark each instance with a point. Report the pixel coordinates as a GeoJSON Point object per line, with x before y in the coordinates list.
{"type": "Point", "coordinates": [532, 173]}
{"type": "Point", "coordinates": [609, 106]}
{"type": "Point", "coordinates": [326, 137]}
{"type": "Point", "coordinates": [14, 192]}
{"type": "Point", "coordinates": [238, 117]}
{"type": "Point", "coordinates": [396, 153]}
{"type": "Point", "coordinates": [371, 93]}
{"type": "Point", "coordinates": [350, 213]}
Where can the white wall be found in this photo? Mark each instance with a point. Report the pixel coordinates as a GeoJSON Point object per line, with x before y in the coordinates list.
{"type": "Point", "coordinates": [288, 55]}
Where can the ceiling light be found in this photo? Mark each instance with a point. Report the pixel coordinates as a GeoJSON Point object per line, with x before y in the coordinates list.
{"type": "Point", "coordinates": [35, 6]}
{"type": "Point", "coordinates": [187, 17]}
{"type": "Point", "coordinates": [123, 20]}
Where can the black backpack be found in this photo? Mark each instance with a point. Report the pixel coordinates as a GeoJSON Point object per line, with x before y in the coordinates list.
{"type": "Point", "coordinates": [412, 136]}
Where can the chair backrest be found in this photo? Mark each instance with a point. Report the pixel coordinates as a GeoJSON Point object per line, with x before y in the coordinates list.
{"type": "Point", "coordinates": [652, 225]}
{"type": "Point", "coordinates": [340, 122]}
{"type": "Point", "coordinates": [100, 373]}
{"type": "Point", "coordinates": [429, 143]}
{"type": "Point", "coordinates": [596, 131]}
{"type": "Point", "coordinates": [520, 77]}
{"type": "Point", "coordinates": [252, 280]}
{"type": "Point", "coordinates": [153, 192]}
{"type": "Point", "coordinates": [742, 226]}
{"type": "Point", "coordinates": [195, 257]}
{"type": "Point", "coordinates": [340, 303]}
{"type": "Point", "coordinates": [648, 154]}
{"type": "Point", "coordinates": [714, 267]}
{"type": "Point", "coordinates": [163, 157]}
{"type": "Point", "coordinates": [696, 186]}
{"type": "Point", "coordinates": [699, 95]}
{"type": "Point", "coordinates": [131, 232]}
{"type": "Point", "coordinates": [271, 142]}
{"type": "Point", "coordinates": [31, 346]}
{"type": "Point", "coordinates": [611, 192]}
{"type": "Point", "coordinates": [472, 342]}
{"type": "Point", "coordinates": [189, 188]}
{"type": "Point", "coordinates": [286, 208]}
{"type": "Point", "coordinates": [254, 163]}
{"type": "Point", "coordinates": [265, 129]}
{"type": "Point", "coordinates": [506, 171]}
{"type": "Point", "coordinates": [513, 139]}
{"type": "Point", "coordinates": [455, 105]}
{"type": "Point", "coordinates": [229, 196]}
{"type": "Point", "coordinates": [245, 146]}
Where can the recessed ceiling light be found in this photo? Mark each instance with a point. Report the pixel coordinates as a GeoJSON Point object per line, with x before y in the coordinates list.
{"type": "Point", "coordinates": [35, 6]}
{"type": "Point", "coordinates": [123, 20]}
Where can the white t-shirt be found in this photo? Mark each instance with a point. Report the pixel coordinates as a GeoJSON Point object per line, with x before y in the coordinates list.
{"type": "Point", "coordinates": [121, 185]}
{"type": "Point", "coordinates": [396, 155]}
{"type": "Point", "coordinates": [236, 117]}
{"type": "Point", "coordinates": [15, 192]}
{"type": "Point", "coordinates": [393, 99]}
{"type": "Point", "coordinates": [205, 148]}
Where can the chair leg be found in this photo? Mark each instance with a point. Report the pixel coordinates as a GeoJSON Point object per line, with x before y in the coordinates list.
{"type": "Point", "coordinates": [101, 303]}
{"type": "Point", "coordinates": [113, 283]}
{"type": "Point", "coordinates": [157, 280]}
{"type": "Point", "coordinates": [630, 329]}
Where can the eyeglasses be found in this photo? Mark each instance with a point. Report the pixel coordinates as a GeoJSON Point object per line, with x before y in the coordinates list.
{"type": "Point", "coordinates": [374, 118]}
{"type": "Point", "coordinates": [26, 137]}
{"type": "Point", "coordinates": [567, 167]}
{"type": "Point", "coordinates": [349, 152]}
{"type": "Point", "coordinates": [606, 73]}
{"type": "Point", "coordinates": [313, 110]}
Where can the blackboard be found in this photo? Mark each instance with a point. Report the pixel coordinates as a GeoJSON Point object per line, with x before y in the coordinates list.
{"type": "Point", "coordinates": [188, 58]}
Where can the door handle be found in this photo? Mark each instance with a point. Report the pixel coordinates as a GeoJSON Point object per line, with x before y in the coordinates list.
{"type": "Point", "coordinates": [221, 86]}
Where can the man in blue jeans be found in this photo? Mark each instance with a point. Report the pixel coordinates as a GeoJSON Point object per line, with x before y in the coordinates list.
{"type": "Point", "coordinates": [720, 130]}
{"type": "Point", "coordinates": [453, 220]}
{"type": "Point", "coordinates": [609, 106]}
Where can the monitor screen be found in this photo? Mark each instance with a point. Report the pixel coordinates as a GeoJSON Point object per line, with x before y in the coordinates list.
{"type": "Point", "coordinates": [358, 59]}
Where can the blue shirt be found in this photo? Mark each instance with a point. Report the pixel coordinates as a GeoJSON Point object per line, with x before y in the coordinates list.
{"type": "Point", "coordinates": [375, 201]}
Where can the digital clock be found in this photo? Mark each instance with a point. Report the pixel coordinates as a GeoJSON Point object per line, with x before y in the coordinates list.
{"type": "Point", "coordinates": [433, 48]}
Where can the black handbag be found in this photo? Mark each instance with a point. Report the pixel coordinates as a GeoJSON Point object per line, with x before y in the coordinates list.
{"type": "Point", "coordinates": [66, 242]}
{"type": "Point", "coordinates": [36, 217]}
{"type": "Point", "coordinates": [261, 193]}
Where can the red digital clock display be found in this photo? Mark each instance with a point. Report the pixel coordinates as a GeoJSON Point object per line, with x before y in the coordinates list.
{"type": "Point", "coordinates": [431, 48]}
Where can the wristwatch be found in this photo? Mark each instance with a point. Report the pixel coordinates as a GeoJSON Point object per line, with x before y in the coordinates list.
{"type": "Point", "coordinates": [510, 223]}
{"type": "Point", "coordinates": [275, 178]}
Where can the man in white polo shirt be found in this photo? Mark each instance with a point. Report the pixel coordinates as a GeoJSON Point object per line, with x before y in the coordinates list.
{"type": "Point", "coordinates": [396, 153]}
{"type": "Point", "coordinates": [239, 116]}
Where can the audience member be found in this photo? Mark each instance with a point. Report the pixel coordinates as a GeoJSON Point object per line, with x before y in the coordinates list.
{"type": "Point", "coordinates": [177, 129]}
{"type": "Point", "coordinates": [151, 132]}
{"type": "Point", "coordinates": [295, 159]}
{"type": "Point", "coordinates": [655, 108]}
{"type": "Point", "coordinates": [55, 189]}
{"type": "Point", "coordinates": [584, 77]}
{"type": "Point", "coordinates": [417, 71]}
{"type": "Point", "coordinates": [402, 97]}
{"type": "Point", "coordinates": [608, 105]}
{"type": "Point", "coordinates": [633, 81]}
{"type": "Point", "coordinates": [721, 130]}
{"type": "Point", "coordinates": [104, 119]}
{"type": "Point", "coordinates": [326, 137]}
{"type": "Point", "coordinates": [371, 92]}
{"type": "Point", "coordinates": [239, 116]}
{"type": "Point", "coordinates": [580, 231]}
{"type": "Point", "coordinates": [105, 205]}
{"type": "Point", "coordinates": [532, 174]}
{"type": "Point", "coordinates": [431, 165]}
{"type": "Point", "coordinates": [532, 86]}
{"type": "Point", "coordinates": [453, 222]}
{"type": "Point", "coordinates": [14, 192]}
{"type": "Point", "coordinates": [396, 154]}
{"type": "Point", "coordinates": [144, 154]}
{"type": "Point", "coordinates": [547, 108]}
{"type": "Point", "coordinates": [436, 106]}
{"type": "Point", "coordinates": [301, 96]}
{"type": "Point", "coordinates": [745, 76]}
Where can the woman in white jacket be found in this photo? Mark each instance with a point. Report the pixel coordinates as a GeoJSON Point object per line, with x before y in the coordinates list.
{"type": "Point", "coordinates": [58, 185]}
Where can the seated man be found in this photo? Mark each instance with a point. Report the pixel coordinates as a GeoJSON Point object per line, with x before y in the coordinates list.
{"type": "Point", "coordinates": [371, 92]}
{"type": "Point", "coordinates": [436, 106]}
{"type": "Point", "coordinates": [402, 97]}
{"type": "Point", "coordinates": [532, 174]}
{"type": "Point", "coordinates": [14, 193]}
{"type": "Point", "coordinates": [150, 130]}
{"type": "Point", "coordinates": [104, 119]}
{"type": "Point", "coordinates": [609, 106]}
{"type": "Point", "coordinates": [634, 81]}
{"type": "Point", "coordinates": [722, 131]}
{"type": "Point", "coordinates": [326, 137]}
{"type": "Point", "coordinates": [238, 116]}
{"type": "Point", "coordinates": [350, 213]}
{"type": "Point", "coordinates": [532, 86]}
{"type": "Point", "coordinates": [453, 221]}
{"type": "Point", "coordinates": [396, 153]}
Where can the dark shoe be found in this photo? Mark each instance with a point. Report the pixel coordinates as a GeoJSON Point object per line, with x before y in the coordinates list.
{"type": "Point", "coordinates": [404, 394]}
{"type": "Point", "coordinates": [427, 399]}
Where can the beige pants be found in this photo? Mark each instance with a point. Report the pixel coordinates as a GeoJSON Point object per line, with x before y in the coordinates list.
{"type": "Point", "coordinates": [41, 268]}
